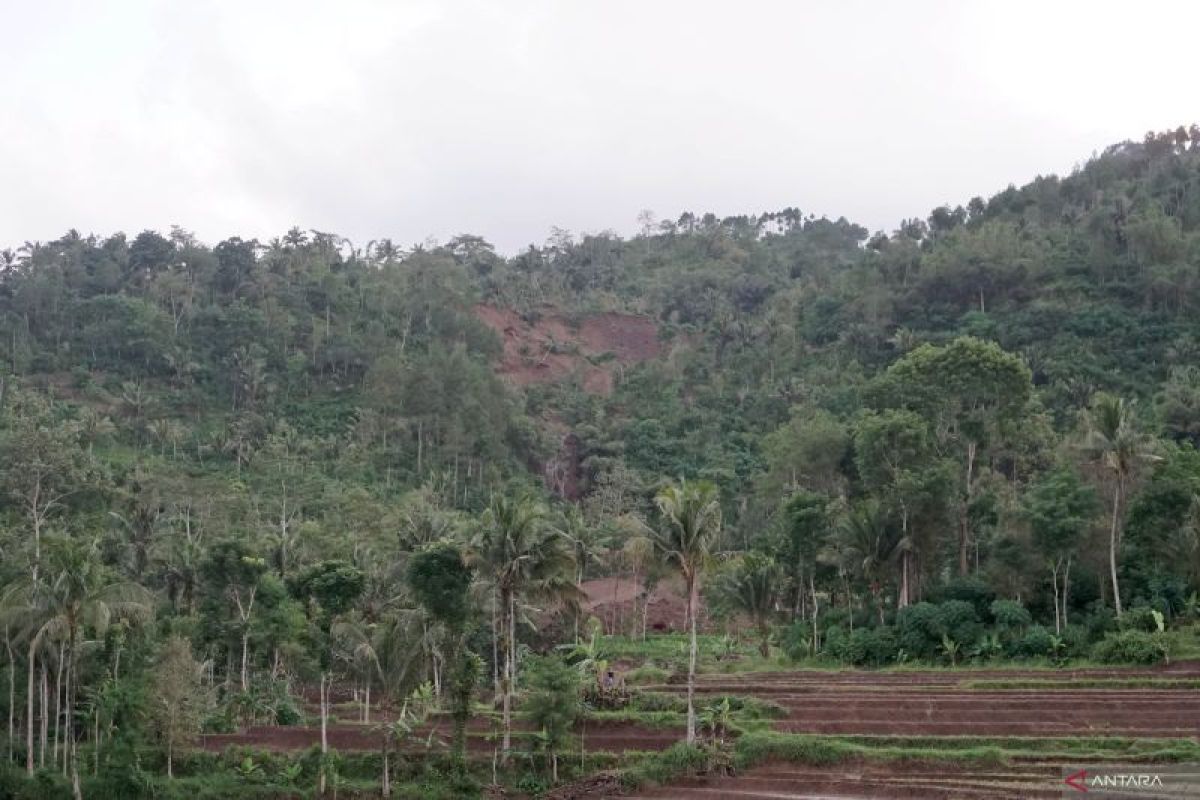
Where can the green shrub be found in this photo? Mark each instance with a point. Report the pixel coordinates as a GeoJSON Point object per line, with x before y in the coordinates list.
{"type": "Point", "coordinates": [1139, 618]}
{"type": "Point", "coordinates": [532, 784]}
{"type": "Point", "coordinates": [1038, 642]}
{"type": "Point", "coordinates": [918, 630]}
{"type": "Point", "coordinates": [1009, 615]}
{"type": "Point", "coordinates": [958, 620]}
{"type": "Point", "coordinates": [921, 628]}
{"type": "Point", "coordinates": [864, 647]}
{"type": "Point", "coordinates": [969, 589]}
{"type": "Point", "coordinates": [46, 784]}
{"type": "Point", "coordinates": [678, 760]}
{"type": "Point", "coordinates": [1131, 647]}
{"type": "Point", "coordinates": [1077, 641]}
{"type": "Point", "coordinates": [796, 640]}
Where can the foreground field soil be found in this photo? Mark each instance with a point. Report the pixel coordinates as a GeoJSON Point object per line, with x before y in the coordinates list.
{"type": "Point", "coordinates": [866, 782]}
{"type": "Point", "coordinates": [1032, 724]}
{"type": "Point", "coordinates": [1162, 702]}
{"type": "Point", "coordinates": [1017, 708]}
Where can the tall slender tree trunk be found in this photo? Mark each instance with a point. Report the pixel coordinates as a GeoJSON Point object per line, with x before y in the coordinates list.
{"type": "Point", "coordinates": [964, 516]}
{"type": "Point", "coordinates": [72, 680]}
{"type": "Point", "coordinates": [1113, 544]}
{"type": "Point", "coordinates": [691, 684]}
{"type": "Point", "coordinates": [1066, 590]}
{"type": "Point", "coordinates": [29, 693]}
{"type": "Point", "coordinates": [1057, 606]}
{"type": "Point", "coordinates": [633, 609]}
{"type": "Point", "coordinates": [245, 656]}
{"type": "Point", "coordinates": [386, 783]}
{"type": "Point", "coordinates": [324, 703]}
{"type": "Point", "coordinates": [816, 631]}
{"type": "Point", "coordinates": [58, 709]}
{"type": "Point", "coordinates": [849, 601]}
{"type": "Point", "coordinates": [495, 645]}
{"type": "Point", "coordinates": [45, 721]}
{"type": "Point", "coordinates": [506, 686]}
{"type": "Point", "coordinates": [12, 689]}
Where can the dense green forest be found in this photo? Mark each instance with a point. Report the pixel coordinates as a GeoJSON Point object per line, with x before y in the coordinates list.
{"type": "Point", "coordinates": [244, 473]}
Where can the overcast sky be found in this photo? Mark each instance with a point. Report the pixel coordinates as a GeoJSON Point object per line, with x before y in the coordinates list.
{"type": "Point", "coordinates": [504, 118]}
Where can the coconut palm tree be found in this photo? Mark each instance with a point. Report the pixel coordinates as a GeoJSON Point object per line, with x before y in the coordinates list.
{"type": "Point", "coordinates": [691, 523]}
{"type": "Point", "coordinates": [588, 545]}
{"type": "Point", "coordinates": [352, 638]}
{"type": "Point", "coordinates": [412, 714]}
{"type": "Point", "coordinates": [77, 597]}
{"type": "Point", "coordinates": [1113, 441]}
{"type": "Point", "coordinates": [751, 587]}
{"type": "Point", "coordinates": [522, 557]}
{"type": "Point", "coordinates": [871, 544]}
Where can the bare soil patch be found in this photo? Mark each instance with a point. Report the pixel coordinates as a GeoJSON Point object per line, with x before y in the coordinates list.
{"type": "Point", "coordinates": [616, 600]}
{"type": "Point", "coordinates": [551, 348]}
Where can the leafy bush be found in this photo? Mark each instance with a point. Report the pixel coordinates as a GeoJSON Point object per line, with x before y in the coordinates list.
{"type": "Point", "coordinates": [1100, 620]}
{"type": "Point", "coordinates": [1131, 647]}
{"type": "Point", "coordinates": [1139, 618]}
{"type": "Point", "coordinates": [1077, 641]}
{"type": "Point", "coordinates": [918, 630]}
{"type": "Point", "coordinates": [1038, 642]}
{"type": "Point", "coordinates": [968, 589]}
{"type": "Point", "coordinates": [921, 629]}
{"type": "Point", "coordinates": [1009, 615]}
{"type": "Point", "coordinates": [678, 760]}
{"type": "Point", "coordinates": [958, 621]}
{"type": "Point", "coordinates": [865, 646]}
{"type": "Point", "coordinates": [796, 640]}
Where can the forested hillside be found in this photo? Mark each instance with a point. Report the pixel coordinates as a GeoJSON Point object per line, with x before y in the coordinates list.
{"type": "Point", "coordinates": [996, 402]}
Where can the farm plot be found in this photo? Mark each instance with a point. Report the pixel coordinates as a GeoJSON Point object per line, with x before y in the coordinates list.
{"type": "Point", "coordinates": [1085, 702]}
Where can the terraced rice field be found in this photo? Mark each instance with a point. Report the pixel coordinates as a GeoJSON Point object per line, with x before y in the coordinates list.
{"type": "Point", "coordinates": [1066, 703]}
{"type": "Point", "coordinates": [790, 782]}
{"type": "Point", "coordinates": [993, 706]}
{"type": "Point", "coordinates": [1069, 704]}
{"type": "Point", "coordinates": [600, 737]}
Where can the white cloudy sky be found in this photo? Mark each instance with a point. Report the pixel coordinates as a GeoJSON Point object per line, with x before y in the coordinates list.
{"type": "Point", "coordinates": [416, 119]}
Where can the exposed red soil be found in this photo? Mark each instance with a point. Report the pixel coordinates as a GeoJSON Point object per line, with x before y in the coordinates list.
{"type": "Point", "coordinates": [552, 349]}
{"type": "Point", "coordinates": [612, 601]}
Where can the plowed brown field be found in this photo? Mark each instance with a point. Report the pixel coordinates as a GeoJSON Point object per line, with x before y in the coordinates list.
{"type": "Point", "coordinates": [942, 703]}
{"type": "Point", "coordinates": [916, 703]}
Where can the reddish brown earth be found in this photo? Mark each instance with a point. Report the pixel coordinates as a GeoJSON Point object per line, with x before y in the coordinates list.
{"type": "Point", "coordinates": [941, 703]}
{"type": "Point", "coordinates": [861, 781]}
{"type": "Point", "coordinates": [612, 601]}
{"type": "Point", "coordinates": [925, 703]}
{"type": "Point", "coordinates": [598, 736]}
{"type": "Point", "coordinates": [553, 349]}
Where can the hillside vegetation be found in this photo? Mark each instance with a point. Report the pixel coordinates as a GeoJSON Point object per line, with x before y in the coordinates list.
{"type": "Point", "coordinates": [971, 438]}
